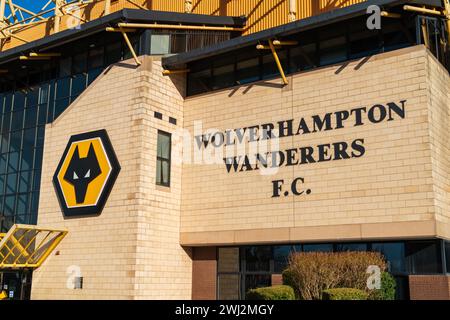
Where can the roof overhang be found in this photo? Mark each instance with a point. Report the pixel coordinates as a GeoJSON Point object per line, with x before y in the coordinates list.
{"type": "Point", "coordinates": [125, 15]}
{"type": "Point", "coordinates": [324, 19]}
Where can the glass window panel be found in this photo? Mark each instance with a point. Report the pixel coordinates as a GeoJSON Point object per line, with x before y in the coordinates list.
{"type": "Point", "coordinates": [27, 158]}
{"type": "Point", "coordinates": [78, 84]}
{"type": "Point", "coordinates": [423, 257]}
{"type": "Point", "coordinates": [394, 253]}
{"type": "Point", "coordinates": [113, 52]}
{"type": "Point", "coordinates": [280, 257]}
{"type": "Point", "coordinates": [19, 100]}
{"type": "Point", "coordinates": [25, 181]}
{"type": "Point", "coordinates": [199, 81]}
{"type": "Point", "coordinates": [158, 172]}
{"type": "Point", "coordinates": [31, 116]}
{"type": "Point", "coordinates": [29, 137]}
{"type": "Point", "coordinates": [6, 123]}
{"type": "Point", "coordinates": [17, 120]}
{"type": "Point", "coordinates": [60, 106]}
{"type": "Point", "coordinates": [37, 180]}
{"type": "Point", "coordinates": [159, 44]}
{"type": "Point", "coordinates": [228, 260]}
{"type": "Point", "coordinates": [335, 56]}
{"type": "Point", "coordinates": [3, 162]}
{"type": "Point", "coordinates": [16, 141]}
{"type": "Point", "coordinates": [223, 76]}
{"type": "Point", "coordinates": [9, 206]}
{"type": "Point", "coordinates": [228, 286]}
{"type": "Point", "coordinates": [42, 118]}
{"type": "Point", "coordinates": [22, 205]}
{"type": "Point", "coordinates": [8, 103]}
{"type": "Point", "coordinates": [258, 258]}
{"type": "Point", "coordinates": [43, 96]}
{"type": "Point", "coordinates": [302, 58]}
{"type": "Point", "coordinates": [37, 158]}
{"type": "Point", "coordinates": [95, 58]}
{"type": "Point", "coordinates": [79, 64]}
{"type": "Point", "coordinates": [13, 162]}
{"type": "Point", "coordinates": [248, 70]}
{"type": "Point", "coordinates": [40, 136]}
{"type": "Point", "coordinates": [11, 180]}
{"type": "Point", "coordinates": [351, 247]}
{"type": "Point", "coordinates": [34, 204]}
{"type": "Point", "coordinates": [93, 74]}
{"type": "Point", "coordinates": [163, 146]}
{"type": "Point", "coordinates": [326, 247]}
{"type": "Point", "coordinates": [63, 88]}
{"type": "Point", "coordinates": [33, 97]}
{"type": "Point", "coordinates": [2, 183]}
{"type": "Point", "coordinates": [65, 66]}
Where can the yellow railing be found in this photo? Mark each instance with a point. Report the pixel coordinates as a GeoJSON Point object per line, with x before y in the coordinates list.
{"type": "Point", "coordinates": [25, 246]}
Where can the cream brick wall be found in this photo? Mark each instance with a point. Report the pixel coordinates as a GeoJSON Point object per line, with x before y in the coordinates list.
{"type": "Point", "coordinates": [130, 251]}
{"type": "Point", "coordinates": [393, 191]}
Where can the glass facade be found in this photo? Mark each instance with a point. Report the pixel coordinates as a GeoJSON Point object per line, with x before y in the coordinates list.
{"type": "Point", "coordinates": [318, 47]}
{"type": "Point", "coordinates": [255, 265]}
{"type": "Point", "coordinates": [35, 96]}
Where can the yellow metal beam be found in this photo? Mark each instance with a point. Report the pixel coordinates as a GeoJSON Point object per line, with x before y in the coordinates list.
{"type": "Point", "coordinates": [107, 7]}
{"type": "Point", "coordinates": [426, 41]}
{"type": "Point", "coordinates": [390, 15]}
{"type": "Point", "coordinates": [284, 43]}
{"type": "Point", "coordinates": [422, 10]}
{"type": "Point", "coordinates": [35, 54]}
{"type": "Point", "coordinates": [169, 72]}
{"type": "Point", "coordinates": [292, 10]}
{"type": "Point", "coordinates": [19, 249]}
{"type": "Point", "coordinates": [175, 26]}
{"type": "Point", "coordinates": [33, 58]}
{"type": "Point", "coordinates": [111, 29]}
{"type": "Point", "coordinates": [447, 16]}
{"type": "Point", "coordinates": [277, 61]}
{"type": "Point", "coordinates": [130, 46]}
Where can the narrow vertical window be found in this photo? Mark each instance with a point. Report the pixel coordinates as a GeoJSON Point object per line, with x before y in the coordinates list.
{"type": "Point", "coordinates": [163, 159]}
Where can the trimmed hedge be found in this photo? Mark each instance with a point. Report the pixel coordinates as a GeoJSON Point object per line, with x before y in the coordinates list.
{"type": "Point", "coordinates": [271, 293]}
{"type": "Point", "coordinates": [387, 290]}
{"type": "Point", "coordinates": [344, 294]}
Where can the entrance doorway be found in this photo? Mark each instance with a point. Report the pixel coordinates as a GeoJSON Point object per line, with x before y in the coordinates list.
{"type": "Point", "coordinates": [16, 284]}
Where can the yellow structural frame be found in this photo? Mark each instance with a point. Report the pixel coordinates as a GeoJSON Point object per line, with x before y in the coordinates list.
{"type": "Point", "coordinates": [26, 246]}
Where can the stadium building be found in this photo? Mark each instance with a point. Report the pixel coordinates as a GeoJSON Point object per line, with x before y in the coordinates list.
{"type": "Point", "coordinates": [181, 149]}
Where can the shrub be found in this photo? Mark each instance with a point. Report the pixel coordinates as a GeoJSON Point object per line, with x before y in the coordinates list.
{"type": "Point", "coordinates": [310, 273]}
{"type": "Point", "coordinates": [387, 290]}
{"type": "Point", "coordinates": [344, 294]}
{"type": "Point", "coordinates": [271, 293]}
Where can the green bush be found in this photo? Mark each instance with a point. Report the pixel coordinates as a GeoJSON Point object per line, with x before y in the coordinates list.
{"type": "Point", "coordinates": [271, 293]}
{"type": "Point", "coordinates": [344, 294]}
{"type": "Point", "coordinates": [387, 290]}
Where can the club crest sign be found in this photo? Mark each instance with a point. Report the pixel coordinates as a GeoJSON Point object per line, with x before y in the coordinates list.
{"type": "Point", "coordinates": [86, 174]}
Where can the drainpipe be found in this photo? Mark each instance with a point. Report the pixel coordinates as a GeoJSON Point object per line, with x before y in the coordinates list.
{"type": "Point", "coordinates": [292, 10]}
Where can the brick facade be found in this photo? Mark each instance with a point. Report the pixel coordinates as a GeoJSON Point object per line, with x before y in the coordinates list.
{"type": "Point", "coordinates": [131, 250]}
{"type": "Point", "coordinates": [204, 273]}
{"type": "Point", "coordinates": [397, 190]}
{"type": "Point", "coordinates": [140, 247]}
{"type": "Point", "coordinates": [431, 287]}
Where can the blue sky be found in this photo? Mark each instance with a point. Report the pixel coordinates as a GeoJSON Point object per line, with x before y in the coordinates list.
{"type": "Point", "coordinates": [33, 5]}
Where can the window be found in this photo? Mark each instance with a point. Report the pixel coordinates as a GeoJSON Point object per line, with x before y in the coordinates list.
{"type": "Point", "coordinates": [423, 257]}
{"type": "Point", "coordinates": [163, 159]}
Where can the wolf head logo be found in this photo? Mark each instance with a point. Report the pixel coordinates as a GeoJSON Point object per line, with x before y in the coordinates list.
{"type": "Point", "coordinates": [81, 171]}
